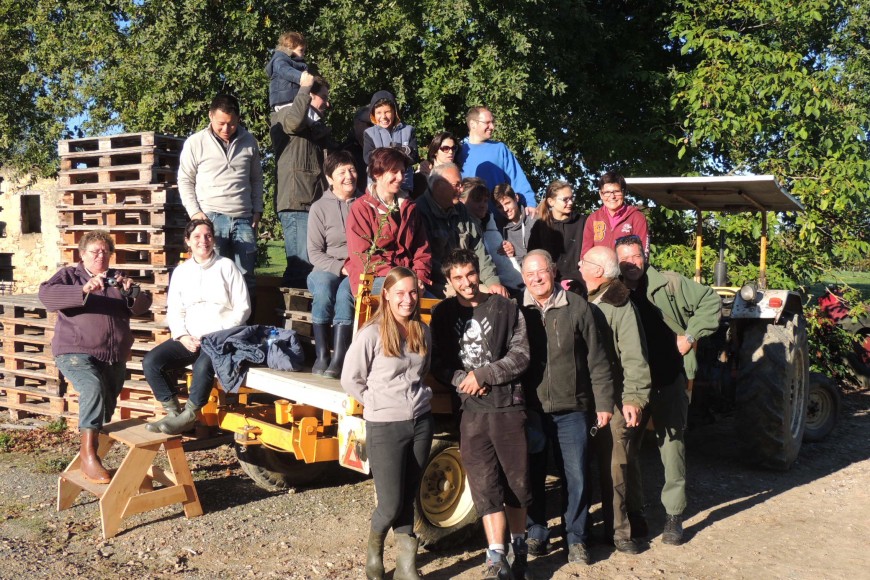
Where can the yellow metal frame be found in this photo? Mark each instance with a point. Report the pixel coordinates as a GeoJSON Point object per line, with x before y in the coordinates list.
{"type": "Point", "coordinates": [762, 258]}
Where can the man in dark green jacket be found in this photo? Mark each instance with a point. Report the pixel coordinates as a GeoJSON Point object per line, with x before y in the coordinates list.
{"type": "Point", "coordinates": [569, 392]}
{"type": "Point", "coordinates": [675, 312]}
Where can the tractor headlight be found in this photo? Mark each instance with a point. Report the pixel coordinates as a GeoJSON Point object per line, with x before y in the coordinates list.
{"type": "Point", "coordinates": [748, 292]}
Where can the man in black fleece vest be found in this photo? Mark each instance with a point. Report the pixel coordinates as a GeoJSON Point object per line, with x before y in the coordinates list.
{"type": "Point", "coordinates": [479, 346]}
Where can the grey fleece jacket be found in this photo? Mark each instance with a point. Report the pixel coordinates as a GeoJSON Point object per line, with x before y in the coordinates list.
{"type": "Point", "coordinates": [327, 232]}
{"type": "Point", "coordinates": [211, 179]}
{"type": "Point", "coordinates": [390, 388]}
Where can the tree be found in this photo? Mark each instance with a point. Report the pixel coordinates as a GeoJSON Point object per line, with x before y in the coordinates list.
{"type": "Point", "coordinates": [781, 88]}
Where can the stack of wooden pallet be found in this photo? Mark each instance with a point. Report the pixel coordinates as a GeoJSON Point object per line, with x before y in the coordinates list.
{"type": "Point", "coordinates": [126, 185]}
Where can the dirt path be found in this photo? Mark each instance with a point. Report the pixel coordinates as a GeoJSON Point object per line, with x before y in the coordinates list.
{"type": "Point", "coordinates": [810, 522]}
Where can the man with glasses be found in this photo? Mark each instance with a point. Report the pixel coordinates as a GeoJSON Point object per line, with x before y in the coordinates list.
{"type": "Point", "coordinates": [623, 338]}
{"type": "Point", "coordinates": [614, 219]}
{"type": "Point", "coordinates": [451, 227]}
{"type": "Point", "coordinates": [220, 179]}
{"type": "Point", "coordinates": [569, 394]}
{"type": "Point", "coordinates": [492, 161]}
{"type": "Point", "coordinates": [675, 312]}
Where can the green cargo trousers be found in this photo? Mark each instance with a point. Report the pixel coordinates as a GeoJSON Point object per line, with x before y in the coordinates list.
{"type": "Point", "coordinates": [669, 409]}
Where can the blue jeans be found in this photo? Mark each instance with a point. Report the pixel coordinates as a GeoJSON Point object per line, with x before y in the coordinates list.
{"type": "Point", "coordinates": [173, 356]}
{"type": "Point", "coordinates": [98, 384]}
{"type": "Point", "coordinates": [332, 302]}
{"type": "Point", "coordinates": [568, 433]}
{"type": "Point", "coordinates": [234, 239]}
{"type": "Point", "coordinates": [295, 226]}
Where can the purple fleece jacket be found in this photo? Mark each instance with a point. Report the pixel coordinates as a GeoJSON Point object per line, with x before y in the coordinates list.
{"type": "Point", "coordinates": [97, 325]}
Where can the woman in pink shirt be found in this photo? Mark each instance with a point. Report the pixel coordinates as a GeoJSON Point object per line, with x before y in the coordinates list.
{"type": "Point", "coordinates": [614, 219]}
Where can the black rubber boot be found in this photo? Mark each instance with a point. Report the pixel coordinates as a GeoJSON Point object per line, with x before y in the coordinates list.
{"type": "Point", "coordinates": [341, 335]}
{"type": "Point", "coordinates": [375, 556]}
{"type": "Point", "coordinates": [406, 558]}
{"type": "Point", "coordinates": [321, 348]}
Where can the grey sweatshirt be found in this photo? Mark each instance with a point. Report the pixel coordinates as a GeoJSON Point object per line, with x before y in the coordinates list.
{"type": "Point", "coordinates": [226, 182]}
{"type": "Point", "coordinates": [327, 232]}
{"type": "Point", "coordinates": [390, 388]}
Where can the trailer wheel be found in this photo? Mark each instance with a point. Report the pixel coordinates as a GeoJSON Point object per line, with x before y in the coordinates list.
{"type": "Point", "coordinates": [771, 393]}
{"type": "Point", "coordinates": [444, 515]}
{"type": "Point", "coordinates": [277, 470]}
{"type": "Point", "coordinates": [823, 407]}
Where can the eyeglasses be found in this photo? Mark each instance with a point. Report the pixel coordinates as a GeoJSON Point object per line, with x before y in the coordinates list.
{"type": "Point", "coordinates": [589, 262]}
{"type": "Point", "coordinates": [446, 148]}
{"type": "Point", "coordinates": [486, 121]}
{"type": "Point", "coordinates": [565, 200]}
{"type": "Point", "coordinates": [612, 194]}
{"type": "Point", "coordinates": [98, 252]}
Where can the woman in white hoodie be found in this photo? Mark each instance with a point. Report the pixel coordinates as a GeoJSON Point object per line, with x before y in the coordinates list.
{"type": "Point", "coordinates": [207, 293]}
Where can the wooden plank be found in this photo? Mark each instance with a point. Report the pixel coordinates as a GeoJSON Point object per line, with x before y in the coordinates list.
{"type": "Point", "coordinates": [120, 157]}
{"type": "Point", "coordinates": [124, 175]}
{"type": "Point", "coordinates": [296, 299]}
{"type": "Point", "coordinates": [115, 196]}
{"type": "Point", "coordinates": [120, 142]}
{"type": "Point", "coordinates": [165, 256]}
{"type": "Point", "coordinates": [112, 215]}
{"type": "Point", "coordinates": [36, 402]}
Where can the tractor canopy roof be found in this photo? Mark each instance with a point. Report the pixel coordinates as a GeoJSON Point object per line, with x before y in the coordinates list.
{"type": "Point", "coordinates": [727, 193]}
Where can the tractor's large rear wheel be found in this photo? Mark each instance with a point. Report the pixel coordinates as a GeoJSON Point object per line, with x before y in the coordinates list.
{"type": "Point", "coordinates": [277, 470]}
{"type": "Point", "coordinates": [444, 515]}
{"type": "Point", "coordinates": [771, 393]}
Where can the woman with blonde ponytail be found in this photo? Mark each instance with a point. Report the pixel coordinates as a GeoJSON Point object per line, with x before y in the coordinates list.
{"type": "Point", "coordinates": [384, 370]}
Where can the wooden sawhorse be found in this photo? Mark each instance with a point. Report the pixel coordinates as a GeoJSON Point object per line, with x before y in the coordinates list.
{"type": "Point", "coordinates": [131, 490]}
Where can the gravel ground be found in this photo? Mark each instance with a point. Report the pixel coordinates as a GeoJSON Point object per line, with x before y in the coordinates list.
{"type": "Point", "coordinates": [809, 522]}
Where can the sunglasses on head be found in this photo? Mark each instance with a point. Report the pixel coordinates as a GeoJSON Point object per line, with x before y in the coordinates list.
{"type": "Point", "coordinates": [446, 148]}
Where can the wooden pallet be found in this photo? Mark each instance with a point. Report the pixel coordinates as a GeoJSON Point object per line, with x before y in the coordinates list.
{"type": "Point", "coordinates": [133, 254]}
{"type": "Point", "coordinates": [23, 402]}
{"type": "Point", "coordinates": [296, 299]}
{"type": "Point", "coordinates": [120, 176]}
{"type": "Point", "coordinates": [147, 235]}
{"type": "Point", "coordinates": [102, 216]}
{"type": "Point", "coordinates": [117, 143]}
{"type": "Point", "coordinates": [120, 157]}
{"type": "Point", "coordinates": [298, 321]}
{"type": "Point", "coordinates": [119, 196]}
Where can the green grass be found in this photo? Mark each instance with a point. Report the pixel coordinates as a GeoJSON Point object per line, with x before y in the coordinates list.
{"type": "Point", "coordinates": [858, 280]}
{"type": "Point", "coordinates": [277, 260]}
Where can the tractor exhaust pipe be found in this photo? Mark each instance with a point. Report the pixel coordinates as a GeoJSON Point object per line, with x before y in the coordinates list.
{"type": "Point", "coordinates": [720, 270]}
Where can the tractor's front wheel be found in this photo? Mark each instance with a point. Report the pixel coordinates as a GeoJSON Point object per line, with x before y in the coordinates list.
{"type": "Point", "coordinates": [771, 393]}
{"type": "Point", "coordinates": [444, 515]}
{"type": "Point", "coordinates": [275, 470]}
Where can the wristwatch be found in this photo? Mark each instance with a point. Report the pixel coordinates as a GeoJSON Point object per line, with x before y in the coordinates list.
{"type": "Point", "coordinates": [690, 339]}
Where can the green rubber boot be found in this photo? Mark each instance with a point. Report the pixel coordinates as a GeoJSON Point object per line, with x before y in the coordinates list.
{"type": "Point", "coordinates": [172, 408]}
{"type": "Point", "coordinates": [181, 423]}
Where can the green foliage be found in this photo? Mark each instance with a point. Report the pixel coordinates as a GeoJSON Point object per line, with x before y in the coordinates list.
{"type": "Point", "coordinates": [7, 442]}
{"type": "Point", "coordinates": [831, 344]}
{"type": "Point", "coordinates": [56, 426]}
{"type": "Point", "coordinates": [53, 464]}
{"type": "Point", "coordinates": [774, 88]}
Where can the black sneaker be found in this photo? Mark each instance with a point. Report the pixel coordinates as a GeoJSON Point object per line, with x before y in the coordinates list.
{"type": "Point", "coordinates": [627, 546]}
{"type": "Point", "coordinates": [537, 547]}
{"type": "Point", "coordinates": [577, 554]}
{"type": "Point", "coordinates": [638, 525]}
{"type": "Point", "coordinates": [673, 533]}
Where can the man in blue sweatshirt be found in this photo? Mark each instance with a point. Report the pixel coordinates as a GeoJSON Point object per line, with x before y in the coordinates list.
{"type": "Point", "coordinates": [492, 161]}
